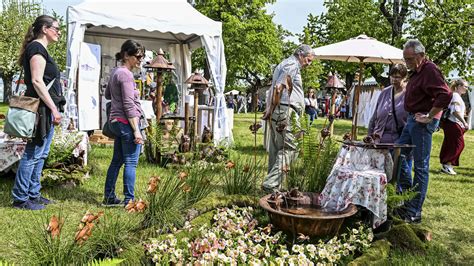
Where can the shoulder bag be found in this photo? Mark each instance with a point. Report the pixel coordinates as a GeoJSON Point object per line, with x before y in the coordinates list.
{"type": "Point", "coordinates": [21, 119]}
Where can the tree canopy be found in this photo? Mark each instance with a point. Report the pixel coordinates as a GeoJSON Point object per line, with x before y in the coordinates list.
{"type": "Point", "coordinates": [15, 19]}
{"type": "Point", "coordinates": [444, 28]}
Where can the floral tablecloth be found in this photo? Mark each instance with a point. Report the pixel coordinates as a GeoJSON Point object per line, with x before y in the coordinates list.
{"type": "Point", "coordinates": [10, 153]}
{"type": "Point", "coordinates": [359, 176]}
{"type": "Point", "coordinates": [11, 150]}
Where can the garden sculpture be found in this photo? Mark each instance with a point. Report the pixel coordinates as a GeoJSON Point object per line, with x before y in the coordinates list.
{"type": "Point", "coordinates": [185, 145]}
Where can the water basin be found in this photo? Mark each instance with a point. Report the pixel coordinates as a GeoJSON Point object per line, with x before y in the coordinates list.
{"type": "Point", "coordinates": [308, 217]}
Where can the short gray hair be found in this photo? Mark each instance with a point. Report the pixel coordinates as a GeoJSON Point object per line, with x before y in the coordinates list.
{"type": "Point", "coordinates": [304, 50]}
{"type": "Point", "coordinates": [416, 45]}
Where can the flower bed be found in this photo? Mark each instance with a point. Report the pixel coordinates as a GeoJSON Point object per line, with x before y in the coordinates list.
{"type": "Point", "coordinates": [234, 238]}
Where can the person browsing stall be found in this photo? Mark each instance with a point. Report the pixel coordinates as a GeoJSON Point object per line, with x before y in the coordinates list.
{"type": "Point", "coordinates": [390, 117]}
{"type": "Point", "coordinates": [286, 98]}
{"type": "Point", "coordinates": [454, 128]}
{"type": "Point", "coordinates": [125, 117]}
{"type": "Point", "coordinates": [427, 94]}
{"type": "Point", "coordinates": [40, 69]}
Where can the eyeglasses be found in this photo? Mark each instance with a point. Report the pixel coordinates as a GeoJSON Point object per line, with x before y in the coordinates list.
{"type": "Point", "coordinates": [56, 29]}
{"type": "Point", "coordinates": [139, 57]}
{"type": "Point", "coordinates": [396, 77]}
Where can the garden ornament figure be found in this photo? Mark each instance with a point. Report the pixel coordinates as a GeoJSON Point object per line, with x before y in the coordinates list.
{"type": "Point", "coordinates": [206, 135]}
{"type": "Point", "coordinates": [185, 144]}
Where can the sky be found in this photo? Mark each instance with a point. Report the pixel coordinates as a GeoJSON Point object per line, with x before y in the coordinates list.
{"type": "Point", "coordinates": [291, 14]}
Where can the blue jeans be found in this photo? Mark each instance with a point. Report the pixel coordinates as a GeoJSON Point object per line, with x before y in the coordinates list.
{"type": "Point", "coordinates": [419, 135]}
{"type": "Point", "coordinates": [126, 152]}
{"type": "Point", "coordinates": [27, 181]}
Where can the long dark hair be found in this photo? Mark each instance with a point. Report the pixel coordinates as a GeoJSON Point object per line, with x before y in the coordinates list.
{"type": "Point", "coordinates": [129, 47]}
{"type": "Point", "coordinates": [34, 32]}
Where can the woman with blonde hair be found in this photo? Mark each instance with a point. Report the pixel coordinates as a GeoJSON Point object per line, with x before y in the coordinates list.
{"type": "Point", "coordinates": [454, 127]}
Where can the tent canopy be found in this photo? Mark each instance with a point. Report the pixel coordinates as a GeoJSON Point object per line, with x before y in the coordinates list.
{"type": "Point", "coordinates": [176, 21]}
{"type": "Point", "coordinates": [173, 25]}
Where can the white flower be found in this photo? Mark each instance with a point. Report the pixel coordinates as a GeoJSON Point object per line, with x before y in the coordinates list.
{"type": "Point", "coordinates": [297, 249]}
{"type": "Point", "coordinates": [311, 248]}
{"type": "Point", "coordinates": [355, 231]}
{"type": "Point", "coordinates": [370, 237]}
{"type": "Point", "coordinates": [280, 261]}
{"type": "Point", "coordinates": [267, 252]}
{"type": "Point", "coordinates": [178, 253]}
{"type": "Point", "coordinates": [345, 252]}
{"type": "Point", "coordinates": [206, 256]}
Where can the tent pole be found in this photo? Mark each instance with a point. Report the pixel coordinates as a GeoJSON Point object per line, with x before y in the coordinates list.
{"type": "Point", "coordinates": [356, 101]}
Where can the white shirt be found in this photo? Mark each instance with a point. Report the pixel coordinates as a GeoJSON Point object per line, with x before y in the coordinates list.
{"type": "Point", "coordinates": [457, 105]}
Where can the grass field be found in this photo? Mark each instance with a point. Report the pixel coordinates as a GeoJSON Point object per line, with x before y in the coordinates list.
{"type": "Point", "coordinates": [448, 210]}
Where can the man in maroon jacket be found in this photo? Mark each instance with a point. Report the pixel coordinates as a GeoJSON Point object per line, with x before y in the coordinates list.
{"type": "Point", "coordinates": [426, 95]}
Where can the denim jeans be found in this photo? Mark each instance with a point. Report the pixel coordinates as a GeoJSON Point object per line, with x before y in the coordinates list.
{"type": "Point", "coordinates": [126, 152]}
{"type": "Point", "coordinates": [419, 135]}
{"type": "Point", "coordinates": [27, 181]}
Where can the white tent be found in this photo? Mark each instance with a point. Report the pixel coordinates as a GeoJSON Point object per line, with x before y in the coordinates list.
{"type": "Point", "coordinates": [173, 25]}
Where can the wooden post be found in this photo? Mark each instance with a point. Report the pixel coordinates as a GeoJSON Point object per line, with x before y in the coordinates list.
{"type": "Point", "coordinates": [333, 109]}
{"type": "Point", "coordinates": [186, 118]}
{"type": "Point", "coordinates": [159, 94]}
{"type": "Point", "coordinates": [195, 114]}
{"type": "Point", "coordinates": [355, 104]}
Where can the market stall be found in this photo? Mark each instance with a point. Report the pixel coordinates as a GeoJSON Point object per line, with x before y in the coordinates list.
{"type": "Point", "coordinates": [174, 26]}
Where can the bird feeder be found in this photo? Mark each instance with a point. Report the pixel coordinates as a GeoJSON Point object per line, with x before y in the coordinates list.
{"type": "Point", "coordinates": [198, 84]}
{"type": "Point", "coordinates": [159, 64]}
{"type": "Point", "coordinates": [332, 85]}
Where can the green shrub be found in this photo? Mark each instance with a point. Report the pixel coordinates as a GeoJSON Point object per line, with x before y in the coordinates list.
{"type": "Point", "coordinates": [242, 178]}
{"type": "Point", "coordinates": [62, 147]}
{"type": "Point", "coordinates": [113, 236]}
{"type": "Point", "coordinates": [200, 178]}
{"type": "Point", "coordinates": [165, 206]}
{"type": "Point", "coordinates": [310, 171]}
{"type": "Point", "coordinates": [43, 249]}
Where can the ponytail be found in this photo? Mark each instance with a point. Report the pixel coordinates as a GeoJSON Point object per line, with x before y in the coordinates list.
{"type": "Point", "coordinates": [33, 33]}
{"type": "Point", "coordinates": [29, 36]}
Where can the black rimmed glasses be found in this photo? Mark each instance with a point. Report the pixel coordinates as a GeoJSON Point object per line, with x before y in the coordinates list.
{"type": "Point", "coordinates": [139, 57]}
{"type": "Point", "coordinates": [56, 29]}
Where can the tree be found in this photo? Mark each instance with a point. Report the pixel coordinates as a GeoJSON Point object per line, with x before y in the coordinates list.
{"type": "Point", "coordinates": [451, 45]}
{"type": "Point", "coordinates": [344, 20]}
{"type": "Point", "coordinates": [445, 28]}
{"type": "Point", "coordinates": [253, 43]}
{"type": "Point", "coordinates": [16, 17]}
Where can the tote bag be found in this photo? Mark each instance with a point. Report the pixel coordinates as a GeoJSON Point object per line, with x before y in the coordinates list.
{"type": "Point", "coordinates": [21, 119]}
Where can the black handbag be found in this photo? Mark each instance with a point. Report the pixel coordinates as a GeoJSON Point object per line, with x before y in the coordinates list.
{"type": "Point", "coordinates": [106, 129]}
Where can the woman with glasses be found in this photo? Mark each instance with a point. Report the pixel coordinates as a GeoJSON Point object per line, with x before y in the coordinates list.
{"type": "Point", "coordinates": [390, 116]}
{"type": "Point", "coordinates": [125, 117]}
{"type": "Point", "coordinates": [311, 105]}
{"type": "Point", "coordinates": [454, 127]}
{"type": "Point", "coordinates": [41, 72]}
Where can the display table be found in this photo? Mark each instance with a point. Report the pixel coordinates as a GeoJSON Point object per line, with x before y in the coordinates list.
{"type": "Point", "coordinates": [359, 177]}
{"type": "Point", "coordinates": [11, 150]}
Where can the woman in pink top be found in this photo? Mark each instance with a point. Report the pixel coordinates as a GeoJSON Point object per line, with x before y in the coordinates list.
{"type": "Point", "coordinates": [124, 118]}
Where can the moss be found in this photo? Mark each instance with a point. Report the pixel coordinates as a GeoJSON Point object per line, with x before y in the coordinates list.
{"type": "Point", "coordinates": [377, 254]}
{"type": "Point", "coordinates": [214, 201]}
{"type": "Point", "coordinates": [403, 236]}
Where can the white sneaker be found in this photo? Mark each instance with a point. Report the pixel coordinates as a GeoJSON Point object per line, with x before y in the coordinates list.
{"type": "Point", "coordinates": [447, 169]}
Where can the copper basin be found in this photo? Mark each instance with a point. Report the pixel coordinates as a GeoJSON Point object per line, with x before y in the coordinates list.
{"type": "Point", "coordinates": [308, 218]}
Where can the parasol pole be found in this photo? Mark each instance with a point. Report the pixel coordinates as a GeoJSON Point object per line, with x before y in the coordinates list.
{"type": "Point", "coordinates": [356, 100]}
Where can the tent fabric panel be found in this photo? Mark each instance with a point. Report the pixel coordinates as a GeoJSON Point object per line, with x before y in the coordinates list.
{"type": "Point", "coordinates": [155, 15]}
{"type": "Point", "coordinates": [214, 47]}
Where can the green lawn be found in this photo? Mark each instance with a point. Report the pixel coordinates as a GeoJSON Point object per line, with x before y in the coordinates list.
{"type": "Point", "coordinates": [446, 210]}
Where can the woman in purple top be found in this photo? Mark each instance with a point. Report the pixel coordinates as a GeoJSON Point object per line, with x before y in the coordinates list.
{"type": "Point", "coordinates": [385, 126]}
{"type": "Point", "coordinates": [125, 114]}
